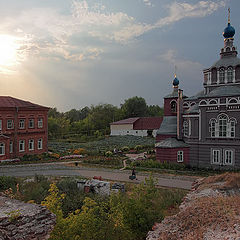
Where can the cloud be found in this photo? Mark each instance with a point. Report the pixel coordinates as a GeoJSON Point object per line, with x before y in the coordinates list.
{"type": "Point", "coordinates": [45, 32]}
{"type": "Point", "coordinates": [148, 3]}
{"type": "Point", "coordinates": [178, 11]}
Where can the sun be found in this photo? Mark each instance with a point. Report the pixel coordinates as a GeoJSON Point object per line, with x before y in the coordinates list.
{"type": "Point", "coordinates": [8, 51]}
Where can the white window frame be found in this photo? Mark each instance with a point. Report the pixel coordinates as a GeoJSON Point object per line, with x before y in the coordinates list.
{"type": "Point", "coordinates": [31, 123]}
{"type": "Point", "coordinates": [230, 74]}
{"type": "Point", "coordinates": [216, 156]}
{"type": "Point", "coordinates": [180, 156]}
{"type": "Point", "coordinates": [40, 143]}
{"type": "Point", "coordinates": [2, 149]}
{"type": "Point", "coordinates": [11, 147]}
{"type": "Point", "coordinates": [40, 122]}
{"type": "Point", "coordinates": [21, 123]}
{"type": "Point", "coordinates": [222, 75]}
{"type": "Point", "coordinates": [21, 145]}
{"type": "Point", "coordinates": [228, 157]}
{"type": "Point", "coordinates": [222, 127]}
{"type": "Point", "coordinates": [31, 144]}
{"type": "Point", "coordinates": [10, 124]}
{"type": "Point", "coordinates": [185, 128]}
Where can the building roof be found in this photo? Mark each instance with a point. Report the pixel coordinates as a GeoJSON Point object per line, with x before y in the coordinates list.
{"type": "Point", "coordinates": [196, 96]}
{"type": "Point", "coordinates": [141, 123]}
{"type": "Point", "coordinates": [224, 91]}
{"type": "Point", "coordinates": [193, 109]}
{"type": "Point", "coordinates": [10, 102]}
{"type": "Point", "coordinates": [125, 121]}
{"type": "Point", "coordinates": [148, 123]}
{"type": "Point", "coordinates": [171, 143]}
{"type": "Point", "coordinates": [168, 126]}
{"type": "Point", "coordinates": [226, 62]}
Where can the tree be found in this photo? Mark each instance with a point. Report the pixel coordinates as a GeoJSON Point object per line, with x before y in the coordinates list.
{"type": "Point", "coordinates": [154, 111]}
{"type": "Point", "coordinates": [134, 107]}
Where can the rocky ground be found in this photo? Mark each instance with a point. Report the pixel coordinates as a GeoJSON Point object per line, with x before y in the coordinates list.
{"type": "Point", "coordinates": [211, 211]}
{"type": "Point", "coordinates": [19, 220]}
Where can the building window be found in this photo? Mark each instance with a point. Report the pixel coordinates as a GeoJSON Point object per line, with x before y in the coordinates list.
{"type": "Point", "coordinates": [2, 149]}
{"type": "Point", "coordinates": [173, 106]}
{"type": "Point", "coordinates": [232, 128]}
{"type": "Point", "coordinates": [1, 125]}
{"type": "Point", "coordinates": [230, 74]}
{"type": "Point", "coordinates": [11, 147]}
{"type": "Point", "coordinates": [216, 156]}
{"type": "Point", "coordinates": [21, 123]}
{"type": "Point", "coordinates": [10, 124]}
{"type": "Point", "coordinates": [21, 145]}
{"type": "Point", "coordinates": [222, 75]}
{"type": "Point", "coordinates": [228, 157]}
{"type": "Point", "coordinates": [185, 129]}
{"type": "Point", "coordinates": [31, 144]}
{"type": "Point", "coordinates": [40, 143]}
{"type": "Point", "coordinates": [180, 156]}
{"type": "Point", "coordinates": [40, 123]}
{"type": "Point", "coordinates": [213, 128]}
{"type": "Point", "coordinates": [31, 123]}
{"type": "Point", "coordinates": [222, 126]}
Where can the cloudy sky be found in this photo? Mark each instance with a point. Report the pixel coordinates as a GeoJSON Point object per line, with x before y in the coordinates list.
{"type": "Point", "coordinates": [74, 53]}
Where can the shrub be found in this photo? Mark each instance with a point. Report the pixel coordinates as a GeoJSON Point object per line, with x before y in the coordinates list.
{"type": "Point", "coordinates": [7, 182]}
{"type": "Point", "coordinates": [108, 154]}
{"type": "Point", "coordinates": [139, 147]}
{"type": "Point", "coordinates": [125, 149]}
{"type": "Point", "coordinates": [79, 151]}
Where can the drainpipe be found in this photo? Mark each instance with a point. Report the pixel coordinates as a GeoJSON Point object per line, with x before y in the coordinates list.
{"type": "Point", "coordinates": [179, 114]}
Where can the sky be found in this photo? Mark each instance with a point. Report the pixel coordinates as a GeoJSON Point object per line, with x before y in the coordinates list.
{"type": "Point", "coordinates": [76, 53]}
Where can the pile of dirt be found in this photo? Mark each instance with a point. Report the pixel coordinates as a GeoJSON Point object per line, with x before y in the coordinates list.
{"type": "Point", "coordinates": [210, 211]}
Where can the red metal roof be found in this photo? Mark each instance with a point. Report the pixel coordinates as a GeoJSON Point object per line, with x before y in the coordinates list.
{"type": "Point", "coordinates": [126, 121]}
{"type": "Point", "coordinates": [148, 123]}
{"type": "Point", "coordinates": [10, 102]}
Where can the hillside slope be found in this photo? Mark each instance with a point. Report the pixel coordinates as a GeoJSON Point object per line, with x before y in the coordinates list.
{"type": "Point", "coordinates": [210, 211]}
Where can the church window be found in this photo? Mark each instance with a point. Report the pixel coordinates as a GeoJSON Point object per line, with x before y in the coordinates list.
{"type": "Point", "coordinates": [213, 128]}
{"type": "Point", "coordinates": [173, 106]}
{"type": "Point", "coordinates": [216, 156]}
{"type": "Point", "coordinates": [228, 157]}
{"type": "Point", "coordinates": [222, 126]}
{"type": "Point", "coordinates": [230, 74]}
{"type": "Point", "coordinates": [222, 75]}
{"type": "Point", "coordinates": [232, 128]}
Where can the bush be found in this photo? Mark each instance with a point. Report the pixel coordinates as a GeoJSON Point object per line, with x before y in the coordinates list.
{"type": "Point", "coordinates": [80, 151]}
{"type": "Point", "coordinates": [108, 154]}
{"type": "Point", "coordinates": [7, 182]}
{"type": "Point", "coordinates": [139, 147]}
{"type": "Point", "coordinates": [125, 149]}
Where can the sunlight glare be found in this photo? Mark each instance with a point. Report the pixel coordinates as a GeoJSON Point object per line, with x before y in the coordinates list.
{"type": "Point", "coordinates": [8, 51]}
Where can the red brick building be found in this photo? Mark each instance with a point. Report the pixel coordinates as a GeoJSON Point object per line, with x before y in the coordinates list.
{"type": "Point", "coordinates": [23, 128]}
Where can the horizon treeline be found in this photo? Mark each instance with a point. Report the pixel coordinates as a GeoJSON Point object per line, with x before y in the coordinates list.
{"type": "Point", "coordinates": [95, 120]}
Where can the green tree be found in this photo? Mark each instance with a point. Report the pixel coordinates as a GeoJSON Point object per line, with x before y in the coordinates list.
{"type": "Point", "coordinates": [134, 107]}
{"type": "Point", "coordinates": [154, 111]}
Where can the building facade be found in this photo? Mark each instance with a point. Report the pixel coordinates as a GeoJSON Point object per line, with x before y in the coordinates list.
{"type": "Point", "coordinates": [139, 126]}
{"type": "Point", "coordinates": [23, 128]}
{"type": "Point", "coordinates": [204, 130]}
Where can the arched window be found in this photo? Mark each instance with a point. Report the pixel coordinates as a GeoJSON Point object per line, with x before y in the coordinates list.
{"type": "Point", "coordinates": [2, 149]}
{"type": "Point", "coordinates": [222, 123]}
{"type": "Point", "coordinates": [230, 74]}
{"type": "Point", "coordinates": [173, 106]}
{"type": "Point", "coordinates": [222, 75]}
{"type": "Point", "coordinates": [214, 75]}
{"type": "Point", "coordinates": [222, 127]}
